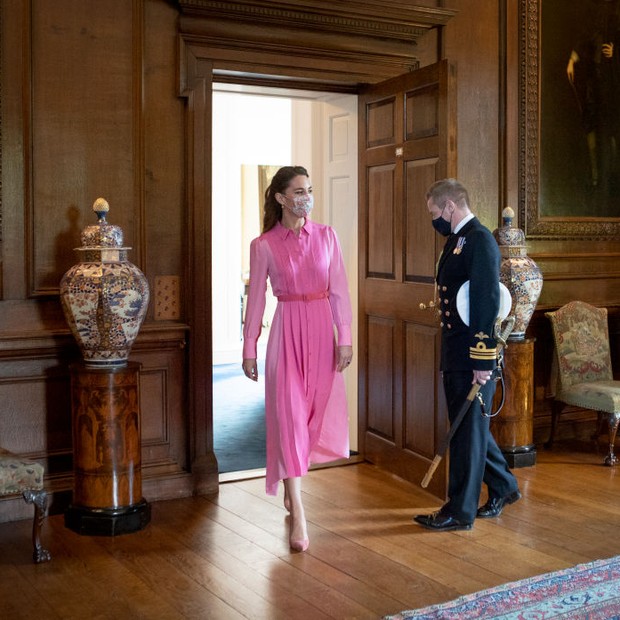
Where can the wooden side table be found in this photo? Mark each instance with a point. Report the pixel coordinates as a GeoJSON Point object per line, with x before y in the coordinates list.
{"type": "Point", "coordinates": [513, 427]}
{"type": "Point", "coordinates": [107, 485]}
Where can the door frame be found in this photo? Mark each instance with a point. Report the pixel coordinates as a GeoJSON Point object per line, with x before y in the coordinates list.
{"type": "Point", "coordinates": [361, 48]}
{"type": "Point", "coordinates": [196, 85]}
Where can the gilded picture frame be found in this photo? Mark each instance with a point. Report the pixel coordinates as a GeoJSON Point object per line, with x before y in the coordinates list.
{"type": "Point", "coordinates": [563, 194]}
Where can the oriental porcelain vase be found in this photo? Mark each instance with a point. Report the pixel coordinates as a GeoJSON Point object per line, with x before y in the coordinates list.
{"type": "Point", "coordinates": [518, 272]}
{"type": "Point", "coordinates": [104, 297]}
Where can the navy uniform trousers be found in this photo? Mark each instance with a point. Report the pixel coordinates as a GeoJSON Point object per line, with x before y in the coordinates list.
{"type": "Point", "coordinates": [475, 457]}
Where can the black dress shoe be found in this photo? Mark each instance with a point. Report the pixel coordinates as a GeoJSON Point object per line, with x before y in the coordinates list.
{"type": "Point", "coordinates": [441, 522]}
{"type": "Point", "coordinates": [495, 505]}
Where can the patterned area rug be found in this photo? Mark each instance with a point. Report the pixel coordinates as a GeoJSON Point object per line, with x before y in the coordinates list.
{"type": "Point", "coordinates": [589, 591]}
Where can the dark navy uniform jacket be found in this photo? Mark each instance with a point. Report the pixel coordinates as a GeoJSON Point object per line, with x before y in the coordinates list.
{"type": "Point", "coordinates": [471, 254]}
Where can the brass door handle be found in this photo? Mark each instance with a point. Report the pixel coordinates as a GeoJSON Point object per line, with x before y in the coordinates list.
{"type": "Point", "coordinates": [431, 305]}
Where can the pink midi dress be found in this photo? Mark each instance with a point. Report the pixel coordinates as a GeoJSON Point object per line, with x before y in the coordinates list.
{"type": "Point", "coordinates": [305, 402]}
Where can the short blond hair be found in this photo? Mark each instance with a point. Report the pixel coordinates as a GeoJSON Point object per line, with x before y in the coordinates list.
{"type": "Point", "coordinates": [448, 189]}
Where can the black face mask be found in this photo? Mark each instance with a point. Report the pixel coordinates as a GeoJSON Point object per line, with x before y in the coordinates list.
{"type": "Point", "coordinates": [442, 226]}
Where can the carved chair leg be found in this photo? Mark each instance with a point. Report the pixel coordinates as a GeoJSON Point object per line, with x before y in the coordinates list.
{"type": "Point", "coordinates": [556, 410]}
{"type": "Point", "coordinates": [613, 419]}
{"type": "Point", "coordinates": [39, 499]}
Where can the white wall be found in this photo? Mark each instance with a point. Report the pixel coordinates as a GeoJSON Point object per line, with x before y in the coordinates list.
{"type": "Point", "coordinates": [247, 129]}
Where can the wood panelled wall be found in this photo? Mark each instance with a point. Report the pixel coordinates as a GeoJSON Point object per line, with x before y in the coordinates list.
{"type": "Point", "coordinates": [91, 106]}
{"type": "Point", "coordinates": [89, 109]}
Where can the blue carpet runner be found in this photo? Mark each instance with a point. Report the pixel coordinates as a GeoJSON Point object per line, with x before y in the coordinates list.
{"type": "Point", "coordinates": [238, 418]}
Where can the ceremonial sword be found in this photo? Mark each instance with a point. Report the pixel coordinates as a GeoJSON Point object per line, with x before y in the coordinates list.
{"type": "Point", "coordinates": [501, 337]}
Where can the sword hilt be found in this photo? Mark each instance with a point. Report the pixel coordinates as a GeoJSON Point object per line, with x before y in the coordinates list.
{"type": "Point", "coordinates": [501, 335]}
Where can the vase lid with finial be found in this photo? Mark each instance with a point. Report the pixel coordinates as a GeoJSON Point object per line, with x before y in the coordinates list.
{"type": "Point", "coordinates": [511, 240]}
{"type": "Point", "coordinates": [102, 241]}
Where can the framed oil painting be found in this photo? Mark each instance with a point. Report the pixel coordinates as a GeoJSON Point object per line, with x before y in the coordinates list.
{"type": "Point", "coordinates": [570, 119]}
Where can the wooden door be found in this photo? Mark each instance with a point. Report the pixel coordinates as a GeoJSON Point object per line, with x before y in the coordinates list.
{"type": "Point", "coordinates": [406, 142]}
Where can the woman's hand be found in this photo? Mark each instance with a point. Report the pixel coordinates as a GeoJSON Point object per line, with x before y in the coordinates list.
{"type": "Point", "coordinates": [344, 355]}
{"type": "Point", "coordinates": [250, 368]}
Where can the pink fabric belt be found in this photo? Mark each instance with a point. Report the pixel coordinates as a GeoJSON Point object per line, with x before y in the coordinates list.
{"type": "Point", "coordinates": [309, 297]}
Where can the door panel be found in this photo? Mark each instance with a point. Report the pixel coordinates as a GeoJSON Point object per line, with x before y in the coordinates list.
{"type": "Point", "coordinates": [407, 141]}
{"type": "Point", "coordinates": [381, 375]}
{"type": "Point", "coordinates": [380, 221]}
{"type": "Point", "coordinates": [421, 112]}
{"type": "Point", "coordinates": [380, 122]}
{"type": "Point", "coordinates": [420, 355]}
{"type": "Point", "coordinates": [419, 244]}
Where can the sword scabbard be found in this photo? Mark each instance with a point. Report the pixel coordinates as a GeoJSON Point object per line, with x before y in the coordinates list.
{"type": "Point", "coordinates": [431, 471]}
{"type": "Point", "coordinates": [501, 336]}
{"type": "Point", "coordinates": [445, 444]}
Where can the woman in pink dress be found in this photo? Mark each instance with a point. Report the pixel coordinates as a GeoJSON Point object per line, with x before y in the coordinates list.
{"type": "Point", "coordinates": [305, 403]}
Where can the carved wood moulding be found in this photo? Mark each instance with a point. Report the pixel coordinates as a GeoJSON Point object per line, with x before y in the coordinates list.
{"type": "Point", "coordinates": [380, 35]}
{"type": "Point", "coordinates": [398, 19]}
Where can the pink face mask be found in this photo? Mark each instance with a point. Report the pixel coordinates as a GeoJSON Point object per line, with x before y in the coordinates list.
{"type": "Point", "coordinates": [302, 205]}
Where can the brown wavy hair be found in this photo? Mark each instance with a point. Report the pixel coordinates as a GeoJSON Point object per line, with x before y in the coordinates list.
{"type": "Point", "coordinates": [279, 184]}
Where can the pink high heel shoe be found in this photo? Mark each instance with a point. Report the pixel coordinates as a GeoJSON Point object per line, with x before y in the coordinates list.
{"type": "Point", "coordinates": [299, 545]}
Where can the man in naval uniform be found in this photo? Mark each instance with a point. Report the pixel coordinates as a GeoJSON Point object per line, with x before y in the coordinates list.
{"type": "Point", "coordinates": [468, 355]}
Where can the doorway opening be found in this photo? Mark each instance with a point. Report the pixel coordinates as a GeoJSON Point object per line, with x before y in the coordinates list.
{"type": "Point", "coordinates": [255, 131]}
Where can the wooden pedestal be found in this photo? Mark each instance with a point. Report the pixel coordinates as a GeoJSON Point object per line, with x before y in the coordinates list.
{"type": "Point", "coordinates": [107, 486]}
{"type": "Point", "coordinates": [513, 427]}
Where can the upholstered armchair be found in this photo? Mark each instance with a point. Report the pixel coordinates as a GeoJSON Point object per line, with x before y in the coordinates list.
{"type": "Point", "coordinates": [25, 477]}
{"type": "Point", "coordinates": [583, 367]}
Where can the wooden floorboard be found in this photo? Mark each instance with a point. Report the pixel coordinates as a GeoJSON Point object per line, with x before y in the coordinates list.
{"type": "Point", "coordinates": [227, 556]}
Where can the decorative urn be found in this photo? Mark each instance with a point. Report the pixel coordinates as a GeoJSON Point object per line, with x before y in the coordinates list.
{"type": "Point", "coordinates": [518, 272]}
{"type": "Point", "coordinates": [104, 297]}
